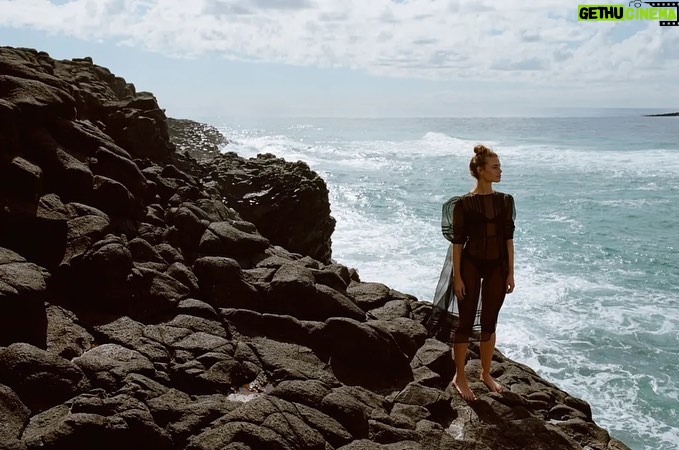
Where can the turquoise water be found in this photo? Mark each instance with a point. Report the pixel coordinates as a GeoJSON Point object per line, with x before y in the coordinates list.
{"type": "Point", "coordinates": [596, 305]}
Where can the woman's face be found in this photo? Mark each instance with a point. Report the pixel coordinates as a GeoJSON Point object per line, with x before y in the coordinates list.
{"type": "Point", "coordinates": [492, 171]}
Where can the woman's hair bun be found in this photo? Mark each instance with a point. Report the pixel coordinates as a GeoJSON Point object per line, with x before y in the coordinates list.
{"type": "Point", "coordinates": [481, 149]}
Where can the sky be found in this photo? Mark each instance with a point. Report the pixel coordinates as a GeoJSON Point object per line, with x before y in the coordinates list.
{"type": "Point", "coordinates": [359, 58]}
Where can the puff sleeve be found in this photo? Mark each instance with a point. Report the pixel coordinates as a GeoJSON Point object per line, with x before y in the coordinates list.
{"type": "Point", "coordinates": [452, 221]}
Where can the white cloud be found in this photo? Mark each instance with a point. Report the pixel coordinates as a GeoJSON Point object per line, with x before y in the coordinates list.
{"type": "Point", "coordinates": [500, 40]}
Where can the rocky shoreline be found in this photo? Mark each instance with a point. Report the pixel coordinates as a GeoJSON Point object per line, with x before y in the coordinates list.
{"type": "Point", "coordinates": [157, 293]}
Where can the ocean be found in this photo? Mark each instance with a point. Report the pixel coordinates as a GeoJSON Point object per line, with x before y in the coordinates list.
{"type": "Point", "coordinates": [596, 305]}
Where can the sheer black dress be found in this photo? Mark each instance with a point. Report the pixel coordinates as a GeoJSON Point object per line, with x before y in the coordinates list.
{"type": "Point", "coordinates": [482, 224]}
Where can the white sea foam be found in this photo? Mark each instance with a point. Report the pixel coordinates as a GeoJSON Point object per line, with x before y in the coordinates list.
{"type": "Point", "coordinates": [396, 252]}
{"type": "Point", "coordinates": [302, 126]}
{"type": "Point", "coordinates": [609, 163]}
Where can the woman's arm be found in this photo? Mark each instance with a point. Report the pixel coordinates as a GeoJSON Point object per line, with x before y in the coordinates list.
{"type": "Point", "coordinates": [458, 285]}
{"type": "Point", "coordinates": [510, 216]}
{"type": "Point", "coordinates": [510, 266]}
{"type": "Point", "coordinates": [459, 238]}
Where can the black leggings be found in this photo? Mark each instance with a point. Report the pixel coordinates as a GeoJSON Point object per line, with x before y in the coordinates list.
{"type": "Point", "coordinates": [485, 281]}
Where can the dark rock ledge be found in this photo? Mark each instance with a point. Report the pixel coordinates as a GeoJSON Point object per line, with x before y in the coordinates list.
{"type": "Point", "coordinates": [149, 300]}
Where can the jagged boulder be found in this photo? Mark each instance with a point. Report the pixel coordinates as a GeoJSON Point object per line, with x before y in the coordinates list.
{"type": "Point", "coordinates": [13, 416]}
{"type": "Point", "coordinates": [41, 379]}
{"type": "Point", "coordinates": [23, 291]}
{"type": "Point", "coordinates": [286, 201]}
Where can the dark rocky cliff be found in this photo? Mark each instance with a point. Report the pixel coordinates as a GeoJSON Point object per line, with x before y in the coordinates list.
{"type": "Point", "coordinates": [149, 299]}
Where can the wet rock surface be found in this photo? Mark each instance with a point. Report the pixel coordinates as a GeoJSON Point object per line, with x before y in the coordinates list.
{"type": "Point", "coordinates": [149, 299]}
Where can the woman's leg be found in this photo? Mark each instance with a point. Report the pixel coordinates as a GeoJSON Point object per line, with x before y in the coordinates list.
{"type": "Point", "coordinates": [493, 295]}
{"type": "Point", "coordinates": [467, 309]}
{"type": "Point", "coordinates": [487, 349]}
{"type": "Point", "coordinates": [460, 379]}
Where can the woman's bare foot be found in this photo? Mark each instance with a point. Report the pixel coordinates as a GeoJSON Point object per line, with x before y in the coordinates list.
{"type": "Point", "coordinates": [463, 389]}
{"type": "Point", "coordinates": [490, 382]}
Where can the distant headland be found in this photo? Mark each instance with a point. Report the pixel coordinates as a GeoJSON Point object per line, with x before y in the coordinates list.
{"type": "Point", "coordinates": [672, 114]}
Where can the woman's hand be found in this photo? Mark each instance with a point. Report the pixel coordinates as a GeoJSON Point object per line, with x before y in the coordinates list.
{"type": "Point", "coordinates": [458, 287]}
{"type": "Point", "coordinates": [510, 283]}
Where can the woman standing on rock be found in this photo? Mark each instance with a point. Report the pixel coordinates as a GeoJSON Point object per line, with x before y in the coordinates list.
{"type": "Point", "coordinates": [480, 261]}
